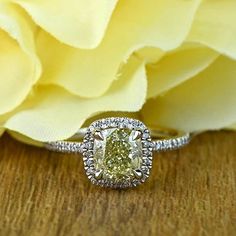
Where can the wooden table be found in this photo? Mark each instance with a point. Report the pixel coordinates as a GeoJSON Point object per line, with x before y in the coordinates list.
{"type": "Point", "coordinates": [190, 192]}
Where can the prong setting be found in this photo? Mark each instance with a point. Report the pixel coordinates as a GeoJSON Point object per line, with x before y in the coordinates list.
{"type": "Point", "coordinates": [98, 135]}
{"type": "Point", "coordinates": [138, 173]}
{"type": "Point", "coordinates": [139, 135]}
{"type": "Point", "coordinates": [98, 174]}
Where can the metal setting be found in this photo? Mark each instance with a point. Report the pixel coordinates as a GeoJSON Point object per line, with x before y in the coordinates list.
{"type": "Point", "coordinates": [117, 152]}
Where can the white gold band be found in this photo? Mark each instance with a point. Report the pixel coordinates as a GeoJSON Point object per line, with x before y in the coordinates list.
{"type": "Point", "coordinates": [117, 151]}
{"type": "Point", "coordinates": [162, 144]}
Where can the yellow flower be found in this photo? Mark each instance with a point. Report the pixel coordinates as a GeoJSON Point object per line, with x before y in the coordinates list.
{"type": "Point", "coordinates": [61, 62]}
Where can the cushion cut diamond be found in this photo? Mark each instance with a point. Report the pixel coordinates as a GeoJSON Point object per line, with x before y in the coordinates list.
{"type": "Point", "coordinates": [117, 153]}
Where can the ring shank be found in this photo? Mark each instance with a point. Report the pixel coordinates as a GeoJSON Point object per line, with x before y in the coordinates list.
{"type": "Point", "coordinates": [171, 143]}
{"type": "Point", "coordinates": [163, 140]}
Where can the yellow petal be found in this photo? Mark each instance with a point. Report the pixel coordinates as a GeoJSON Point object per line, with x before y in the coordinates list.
{"type": "Point", "coordinates": [150, 54]}
{"type": "Point", "coordinates": [134, 25]}
{"type": "Point", "coordinates": [79, 23]}
{"type": "Point", "coordinates": [232, 127]}
{"type": "Point", "coordinates": [205, 102]}
{"type": "Point", "coordinates": [214, 26]}
{"type": "Point", "coordinates": [20, 137]}
{"type": "Point", "coordinates": [1, 131]}
{"type": "Point", "coordinates": [178, 66]}
{"type": "Point", "coordinates": [19, 66]}
{"type": "Point", "coordinates": [148, 23]}
{"type": "Point", "coordinates": [53, 113]}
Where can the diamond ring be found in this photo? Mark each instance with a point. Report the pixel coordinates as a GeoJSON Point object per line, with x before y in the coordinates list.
{"type": "Point", "coordinates": [117, 152]}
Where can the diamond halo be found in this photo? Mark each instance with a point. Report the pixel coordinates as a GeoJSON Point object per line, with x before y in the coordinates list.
{"type": "Point", "coordinates": [117, 152]}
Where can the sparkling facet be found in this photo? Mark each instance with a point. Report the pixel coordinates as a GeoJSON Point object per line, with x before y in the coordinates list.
{"type": "Point", "coordinates": [118, 154]}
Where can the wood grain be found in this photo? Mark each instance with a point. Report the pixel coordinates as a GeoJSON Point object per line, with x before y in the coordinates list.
{"type": "Point", "coordinates": [190, 192]}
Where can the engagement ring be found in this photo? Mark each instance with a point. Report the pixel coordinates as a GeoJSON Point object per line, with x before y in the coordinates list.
{"type": "Point", "coordinates": [118, 152]}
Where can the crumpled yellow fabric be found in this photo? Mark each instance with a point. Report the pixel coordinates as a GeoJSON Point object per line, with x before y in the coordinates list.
{"type": "Point", "coordinates": [19, 64]}
{"type": "Point", "coordinates": [59, 113]}
{"type": "Point", "coordinates": [207, 101]}
{"type": "Point", "coordinates": [80, 23]}
{"type": "Point", "coordinates": [62, 62]}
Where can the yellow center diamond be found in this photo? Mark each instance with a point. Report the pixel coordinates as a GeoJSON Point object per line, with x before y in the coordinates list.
{"type": "Point", "coordinates": [117, 153]}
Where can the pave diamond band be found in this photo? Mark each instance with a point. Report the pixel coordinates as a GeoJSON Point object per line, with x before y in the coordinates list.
{"type": "Point", "coordinates": [64, 146]}
{"type": "Point", "coordinates": [166, 144]}
{"type": "Point", "coordinates": [117, 152]}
